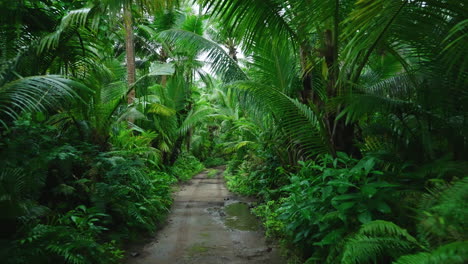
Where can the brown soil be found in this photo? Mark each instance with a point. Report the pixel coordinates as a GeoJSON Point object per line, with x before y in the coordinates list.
{"type": "Point", "coordinates": [196, 231]}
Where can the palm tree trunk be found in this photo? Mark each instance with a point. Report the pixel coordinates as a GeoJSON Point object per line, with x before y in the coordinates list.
{"type": "Point", "coordinates": [163, 59]}
{"type": "Point", "coordinates": [130, 52]}
{"type": "Point", "coordinates": [233, 52]}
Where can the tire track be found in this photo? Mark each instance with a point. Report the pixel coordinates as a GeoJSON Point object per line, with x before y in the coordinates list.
{"type": "Point", "coordinates": [184, 224]}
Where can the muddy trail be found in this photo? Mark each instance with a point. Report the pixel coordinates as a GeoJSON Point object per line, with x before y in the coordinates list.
{"type": "Point", "coordinates": [208, 225]}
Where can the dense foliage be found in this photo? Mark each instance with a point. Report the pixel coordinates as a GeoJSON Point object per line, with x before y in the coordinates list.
{"type": "Point", "coordinates": [346, 118]}
{"type": "Point", "coordinates": [64, 200]}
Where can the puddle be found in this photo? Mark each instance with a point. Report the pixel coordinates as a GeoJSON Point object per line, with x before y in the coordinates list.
{"type": "Point", "coordinates": [238, 216]}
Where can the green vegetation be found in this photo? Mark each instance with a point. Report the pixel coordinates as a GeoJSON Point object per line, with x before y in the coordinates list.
{"type": "Point", "coordinates": [345, 210]}
{"type": "Point", "coordinates": [347, 119]}
{"type": "Point", "coordinates": [212, 173]}
{"type": "Point", "coordinates": [66, 200]}
{"type": "Point", "coordinates": [185, 167]}
{"type": "Point", "coordinates": [214, 162]}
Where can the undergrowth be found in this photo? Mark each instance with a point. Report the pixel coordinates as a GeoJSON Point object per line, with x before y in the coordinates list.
{"type": "Point", "coordinates": [186, 167]}
{"type": "Point", "coordinates": [67, 201]}
{"type": "Point", "coordinates": [344, 210]}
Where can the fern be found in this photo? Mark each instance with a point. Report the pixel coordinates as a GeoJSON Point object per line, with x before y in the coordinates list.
{"type": "Point", "coordinates": [453, 253]}
{"type": "Point", "coordinates": [376, 240]}
{"type": "Point", "coordinates": [442, 213]}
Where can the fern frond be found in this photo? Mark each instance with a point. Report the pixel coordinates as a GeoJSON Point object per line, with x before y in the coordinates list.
{"type": "Point", "coordinates": [365, 249]}
{"type": "Point", "coordinates": [376, 240]}
{"type": "Point", "coordinates": [385, 228]}
{"type": "Point", "coordinates": [453, 253]}
{"type": "Point", "coordinates": [443, 213]}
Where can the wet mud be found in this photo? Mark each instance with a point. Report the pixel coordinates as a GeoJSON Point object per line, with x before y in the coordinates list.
{"type": "Point", "coordinates": [208, 225]}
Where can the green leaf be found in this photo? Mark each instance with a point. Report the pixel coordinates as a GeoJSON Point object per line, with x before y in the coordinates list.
{"type": "Point", "coordinates": [346, 197]}
{"type": "Point", "coordinates": [365, 217]}
{"type": "Point", "coordinates": [331, 238]}
{"type": "Point", "coordinates": [345, 206]}
{"type": "Point", "coordinates": [368, 191]}
{"type": "Point", "coordinates": [383, 207]}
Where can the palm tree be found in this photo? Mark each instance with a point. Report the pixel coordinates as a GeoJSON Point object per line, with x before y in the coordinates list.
{"type": "Point", "coordinates": [334, 56]}
{"type": "Point", "coordinates": [32, 75]}
{"type": "Point", "coordinates": [126, 5]}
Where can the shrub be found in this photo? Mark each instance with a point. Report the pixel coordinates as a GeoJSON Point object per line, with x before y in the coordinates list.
{"type": "Point", "coordinates": [214, 162]}
{"type": "Point", "coordinates": [185, 167]}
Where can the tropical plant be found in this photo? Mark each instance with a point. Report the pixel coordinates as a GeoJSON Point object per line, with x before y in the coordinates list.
{"type": "Point", "coordinates": [345, 118]}
{"type": "Point", "coordinates": [439, 239]}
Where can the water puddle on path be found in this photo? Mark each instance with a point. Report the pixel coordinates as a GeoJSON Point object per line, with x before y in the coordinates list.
{"type": "Point", "coordinates": [238, 216]}
{"type": "Point", "coordinates": [208, 225]}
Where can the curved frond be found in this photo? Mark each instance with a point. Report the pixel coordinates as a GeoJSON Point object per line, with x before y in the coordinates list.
{"type": "Point", "coordinates": [360, 105]}
{"type": "Point", "coordinates": [219, 60]}
{"type": "Point", "coordinates": [37, 93]}
{"type": "Point", "coordinates": [276, 66]}
{"type": "Point", "coordinates": [299, 122]}
{"type": "Point", "coordinates": [194, 118]}
{"type": "Point", "coordinates": [160, 109]}
{"type": "Point", "coordinates": [454, 53]}
{"type": "Point", "coordinates": [453, 253]}
{"type": "Point", "coordinates": [74, 18]}
{"type": "Point", "coordinates": [377, 239]}
{"type": "Point", "coordinates": [255, 20]}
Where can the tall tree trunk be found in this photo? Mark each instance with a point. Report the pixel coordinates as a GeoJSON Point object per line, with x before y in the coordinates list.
{"type": "Point", "coordinates": [130, 52]}
{"type": "Point", "coordinates": [233, 53]}
{"type": "Point", "coordinates": [176, 150]}
{"type": "Point", "coordinates": [342, 134]}
{"type": "Point", "coordinates": [232, 49]}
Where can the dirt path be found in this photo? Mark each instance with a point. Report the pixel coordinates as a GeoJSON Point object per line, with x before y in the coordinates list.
{"type": "Point", "coordinates": [208, 225]}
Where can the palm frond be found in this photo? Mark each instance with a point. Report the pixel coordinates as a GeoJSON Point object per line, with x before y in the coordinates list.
{"type": "Point", "coordinates": [360, 105]}
{"type": "Point", "coordinates": [373, 27]}
{"type": "Point", "coordinates": [256, 20]}
{"type": "Point", "coordinates": [299, 122]}
{"type": "Point", "coordinates": [219, 60]}
{"type": "Point", "coordinates": [36, 94]}
{"type": "Point", "coordinates": [276, 66]}
{"type": "Point", "coordinates": [74, 18]}
{"type": "Point", "coordinates": [454, 52]}
{"type": "Point", "coordinates": [193, 118]}
{"type": "Point", "coordinates": [160, 109]}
